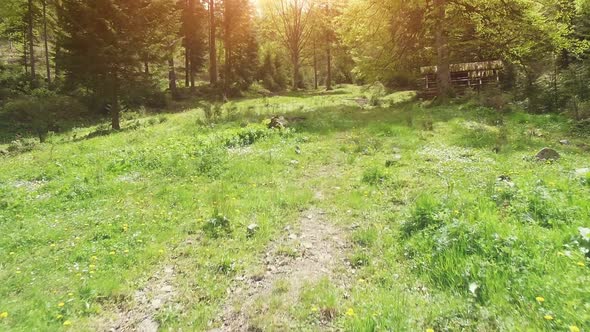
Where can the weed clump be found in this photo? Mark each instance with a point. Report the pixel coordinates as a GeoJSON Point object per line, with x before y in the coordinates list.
{"type": "Point", "coordinates": [426, 213]}
{"type": "Point", "coordinates": [375, 175]}
{"type": "Point", "coordinates": [217, 226]}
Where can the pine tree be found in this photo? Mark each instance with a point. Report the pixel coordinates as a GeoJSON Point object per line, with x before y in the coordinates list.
{"type": "Point", "coordinates": [104, 44]}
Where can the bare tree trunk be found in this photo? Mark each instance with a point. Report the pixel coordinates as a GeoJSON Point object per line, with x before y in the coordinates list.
{"type": "Point", "coordinates": [31, 43]}
{"type": "Point", "coordinates": [329, 78]}
{"type": "Point", "coordinates": [315, 66]}
{"type": "Point", "coordinates": [442, 50]}
{"type": "Point", "coordinates": [172, 76]}
{"type": "Point", "coordinates": [46, 42]}
{"type": "Point", "coordinates": [25, 54]}
{"type": "Point", "coordinates": [115, 107]}
{"type": "Point", "coordinates": [187, 63]}
{"type": "Point", "coordinates": [212, 44]}
{"type": "Point", "coordinates": [295, 60]}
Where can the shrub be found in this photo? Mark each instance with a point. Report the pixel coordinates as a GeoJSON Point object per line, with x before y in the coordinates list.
{"type": "Point", "coordinates": [44, 111]}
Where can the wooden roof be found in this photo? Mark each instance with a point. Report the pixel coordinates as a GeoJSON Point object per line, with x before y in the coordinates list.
{"type": "Point", "coordinates": [470, 66]}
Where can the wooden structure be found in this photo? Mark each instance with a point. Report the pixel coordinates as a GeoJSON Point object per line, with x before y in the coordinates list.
{"type": "Point", "coordinates": [464, 76]}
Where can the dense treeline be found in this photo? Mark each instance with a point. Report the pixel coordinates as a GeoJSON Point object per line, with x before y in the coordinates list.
{"type": "Point", "coordinates": [68, 59]}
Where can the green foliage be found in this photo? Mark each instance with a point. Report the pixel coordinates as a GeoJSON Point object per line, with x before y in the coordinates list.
{"type": "Point", "coordinates": [42, 112]}
{"type": "Point", "coordinates": [217, 226]}
{"type": "Point", "coordinates": [427, 212]}
{"type": "Point", "coordinates": [375, 175]}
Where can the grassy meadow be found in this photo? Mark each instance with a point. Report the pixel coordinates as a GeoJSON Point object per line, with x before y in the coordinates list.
{"type": "Point", "coordinates": [453, 224]}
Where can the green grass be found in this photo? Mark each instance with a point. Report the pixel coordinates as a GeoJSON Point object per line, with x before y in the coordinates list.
{"type": "Point", "coordinates": [85, 222]}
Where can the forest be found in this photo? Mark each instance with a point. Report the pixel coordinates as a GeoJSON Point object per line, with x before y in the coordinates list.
{"type": "Point", "coordinates": [295, 165]}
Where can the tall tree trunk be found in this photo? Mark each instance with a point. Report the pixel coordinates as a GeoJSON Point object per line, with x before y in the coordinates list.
{"type": "Point", "coordinates": [31, 43]}
{"type": "Point", "coordinates": [212, 44]}
{"type": "Point", "coordinates": [56, 70]}
{"type": "Point", "coordinates": [115, 106]}
{"type": "Point", "coordinates": [442, 49]}
{"type": "Point", "coordinates": [295, 60]}
{"type": "Point", "coordinates": [228, 45]}
{"type": "Point", "coordinates": [329, 78]}
{"type": "Point", "coordinates": [315, 66]}
{"type": "Point", "coordinates": [187, 64]}
{"type": "Point", "coordinates": [46, 42]}
{"type": "Point", "coordinates": [172, 76]}
{"type": "Point", "coordinates": [25, 53]}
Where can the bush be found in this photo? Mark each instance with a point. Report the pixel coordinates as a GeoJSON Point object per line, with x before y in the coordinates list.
{"type": "Point", "coordinates": [43, 112]}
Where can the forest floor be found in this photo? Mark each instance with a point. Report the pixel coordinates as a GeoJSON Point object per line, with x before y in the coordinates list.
{"type": "Point", "coordinates": [402, 217]}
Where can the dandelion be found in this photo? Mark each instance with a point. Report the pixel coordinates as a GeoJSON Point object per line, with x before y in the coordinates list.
{"type": "Point", "coordinates": [67, 323]}
{"type": "Point", "coordinates": [548, 317]}
{"type": "Point", "coordinates": [581, 264]}
{"type": "Point", "coordinates": [59, 316]}
{"type": "Point", "coordinates": [161, 251]}
{"type": "Point", "coordinates": [70, 294]}
{"type": "Point", "coordinates": [3, 315]}
{"type": "Point", "coordinates": [112, 253]}
{"type": "Point", "coordinates": [540, 299]}
{"type": "Point", "coordinates": [52, 245]}
{"type": "Point", "coordinates": [92, 266]}
{"type": "Point", "coordinates": [94, 258]}
{"type": "Point", "coordinates": [61, 304]}
{"type": "Point", "coordinates": [314, 309]}
{"type": "Point", "coordinates": [574, 328]}
{"type": "Point", "coordinates": [350, 312]}
{"type": "Point", "coordinates": [429, 330]}
{"type": "Point", "coordinates": [126, 251]}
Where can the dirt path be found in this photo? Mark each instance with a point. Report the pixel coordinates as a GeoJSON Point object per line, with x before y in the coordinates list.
{"type": "Point", "coordinates": [314, 248]}
{"type": "Point", "coordinates": [159, 290]}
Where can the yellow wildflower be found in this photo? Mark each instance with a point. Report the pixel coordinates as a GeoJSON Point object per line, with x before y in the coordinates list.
{"type": "Point", "coordinates": [70, 294]}
{"type": "Point", "coordinates": [3, 315]}
{"type": "Point", "coordinates": [112, 253]}
{"type": "Point", "coordinates": [350, 312]}
{"type": "Point", "coordinates": [429, 330]}
{"type": "Point", "coordinates": [548, 317]}
{"type": "Point", "coordinates": [11, 253]}
{"type": "Point", "coordinates": [540, 299]}
{"type": "Point", "coordinates": [161, 251]}
{"type": "Point", "coordinates": [67, 323]}
{"type": "Point", "coordinates": [574, 328]}
{"type": "Point", "coordinates": [581, 264]}
{"type": "Point", "coordinates": [59, 316]}
{"type": "Point", "coordinates": [314, 309]}
{"type": "Point", "coordinates": [94, 258]}
{"type": "Point", "coordinates": [92, 266]}
{"type": "Point", "coordinates": [126, 251]}
{"type": "Point", "coordinates": [61, 304]}
{"type": "Point", "coordinates": [52, 245]}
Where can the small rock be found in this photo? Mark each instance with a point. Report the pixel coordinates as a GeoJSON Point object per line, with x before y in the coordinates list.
{"type": "Point", "coordinates": [548, 154]}
{"type": "Point", "coordinates": [292, 236]}
{"type": "Point", "coordinates": [564, 142]}
{"type": "Point", "coordinates": [252, 229]}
